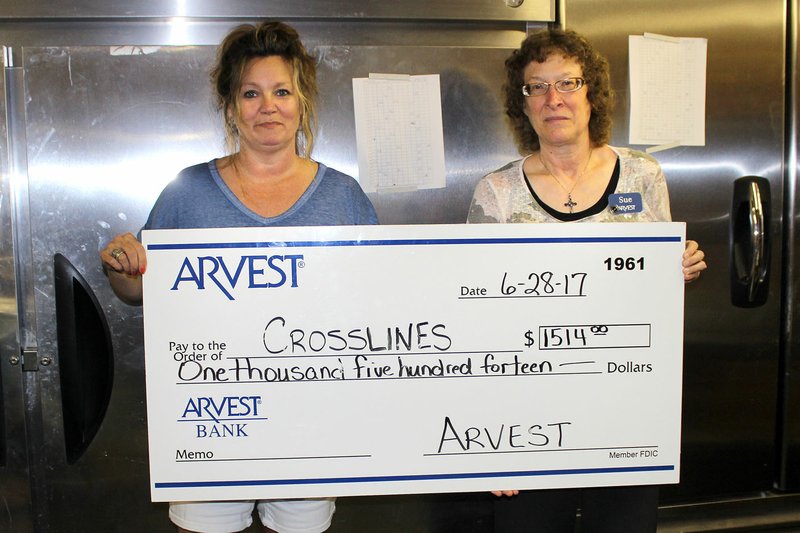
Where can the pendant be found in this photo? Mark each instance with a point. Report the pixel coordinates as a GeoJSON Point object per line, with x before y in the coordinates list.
{"type": "Point", "coordinates": [570, 204]}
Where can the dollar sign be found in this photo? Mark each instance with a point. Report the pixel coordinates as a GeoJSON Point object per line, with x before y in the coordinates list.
{"type": "Point", "coordinates": [529, 338]}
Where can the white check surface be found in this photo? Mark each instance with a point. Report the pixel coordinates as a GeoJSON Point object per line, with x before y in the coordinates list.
{"type": "Point", "coordinates": [303, 362]}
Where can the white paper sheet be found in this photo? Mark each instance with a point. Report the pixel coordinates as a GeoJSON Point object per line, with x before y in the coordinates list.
{"type": "Point", "coordinates": [399, 132]}
{"type": "Point", "coordinates": [668, 90]}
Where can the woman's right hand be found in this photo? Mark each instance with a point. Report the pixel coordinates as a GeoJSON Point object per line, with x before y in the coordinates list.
{"type": "Point", "coordinates": [124, 255]}
{"type": "Point", "coordinates": [124, 262]}
{"type": "Point", "coordinates": [508, 493]}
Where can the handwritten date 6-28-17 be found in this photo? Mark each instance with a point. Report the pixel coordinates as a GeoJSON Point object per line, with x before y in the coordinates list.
{"type": "Point", "coordinates": [544, 284]}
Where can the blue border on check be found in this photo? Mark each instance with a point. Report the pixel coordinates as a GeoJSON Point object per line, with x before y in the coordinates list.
{"type": "Point", "coordinates": [420, 477]}
{"type": "Point", "coordinates": [404, 242]}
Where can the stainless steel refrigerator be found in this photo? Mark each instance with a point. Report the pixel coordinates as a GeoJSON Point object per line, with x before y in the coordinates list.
{"type": "Point", "coordinates": [105, 101]}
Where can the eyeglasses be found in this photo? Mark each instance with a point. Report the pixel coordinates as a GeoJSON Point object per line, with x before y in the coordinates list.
{"type": "Point", "coordinates": [539, 88]}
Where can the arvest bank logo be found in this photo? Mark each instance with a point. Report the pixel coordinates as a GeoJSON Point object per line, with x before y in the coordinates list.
{"type": "Point", "coordinates": [221, 417]}
{"type": "Point", "coordinates": [210, 409]}
{"type": "Point", "coordinates": [248, 271]}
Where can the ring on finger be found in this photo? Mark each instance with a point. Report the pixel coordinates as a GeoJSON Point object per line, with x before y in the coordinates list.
{"type": "Point", "coordinates": [116, 253]}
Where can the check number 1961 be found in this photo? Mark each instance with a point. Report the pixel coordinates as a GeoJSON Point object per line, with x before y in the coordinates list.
{"type": "Point", "coordinates": [624, 263]}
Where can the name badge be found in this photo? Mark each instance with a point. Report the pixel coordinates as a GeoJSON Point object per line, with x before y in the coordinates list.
{"type": "Point", "coordinates": [622, 204]}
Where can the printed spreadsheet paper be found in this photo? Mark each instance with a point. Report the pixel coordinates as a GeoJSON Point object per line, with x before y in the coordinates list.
{"type": "Point", "coordinates": [399, 132]}
{"type": "Point", "coordinates": [668, 90]}
{"type": "Point", "coordinates": [308, 362]}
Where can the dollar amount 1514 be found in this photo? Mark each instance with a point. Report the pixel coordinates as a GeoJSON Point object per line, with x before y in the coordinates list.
{"type": "Point", "coordinates": [544, 284]}
{"type": "Point", "coordinates": [565, 336]}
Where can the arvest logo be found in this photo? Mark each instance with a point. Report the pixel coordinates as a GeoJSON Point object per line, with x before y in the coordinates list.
{"type": "Point", "coordinates": [255, 271]}
{"type": "Point", "coordinates": [206, 408]}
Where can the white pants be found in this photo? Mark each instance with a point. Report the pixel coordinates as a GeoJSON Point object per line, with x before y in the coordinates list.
{"type": "Point", "coordinates": [283, 516]}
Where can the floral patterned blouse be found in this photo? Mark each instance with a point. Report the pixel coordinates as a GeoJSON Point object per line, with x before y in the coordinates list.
{"type": "Point", "coordinates": [504, 195]}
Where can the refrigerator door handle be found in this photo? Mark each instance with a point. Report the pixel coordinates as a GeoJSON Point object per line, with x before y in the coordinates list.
{"type": "Point", "coordinates": [85, 358]}
{"type": "Point", "coordinates": [758, 271]}
{"type": "Point", "coordinates": [750, 241]}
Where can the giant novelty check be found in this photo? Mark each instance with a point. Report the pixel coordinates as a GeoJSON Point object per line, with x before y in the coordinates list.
{"type": "Point", "coordinates": [329, 361]}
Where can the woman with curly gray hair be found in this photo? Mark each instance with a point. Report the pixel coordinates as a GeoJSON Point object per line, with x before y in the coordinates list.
{"type": "Point", "coordinates": [559, 101]}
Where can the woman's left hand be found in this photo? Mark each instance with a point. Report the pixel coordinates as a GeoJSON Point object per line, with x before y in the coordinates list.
{"type": "Point", "coordinates": [693, 262]}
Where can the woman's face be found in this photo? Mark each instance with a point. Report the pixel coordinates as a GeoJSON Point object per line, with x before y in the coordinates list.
{"type": "Point", "coordinates": [558, 118]}
{"type": "Point", "coordinates": [269, 108]}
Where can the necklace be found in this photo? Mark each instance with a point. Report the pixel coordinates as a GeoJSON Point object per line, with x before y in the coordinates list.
{"type": "Point", "coordinates": [240, 179]}
{"type": "Point", "coordinates": [570, 204]}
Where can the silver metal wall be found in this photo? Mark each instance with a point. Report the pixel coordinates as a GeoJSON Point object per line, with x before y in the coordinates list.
{"type": "Point", "coordinates": [14, 481]}
{"type": "Point", "coordinates": [732, 354]}
{"type": "Point", "coordinates": [447, 10]}
{"type": "Point", "coordinates": [789, 408]}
